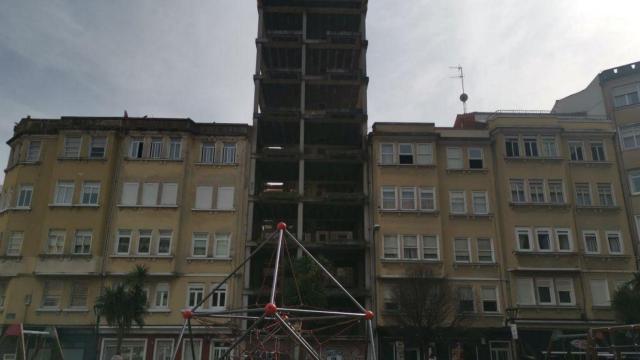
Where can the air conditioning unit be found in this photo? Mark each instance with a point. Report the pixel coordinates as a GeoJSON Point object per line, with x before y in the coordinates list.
{"type": "Point", "coordinates": [322, 236]}
{"type": "Point", "coordinates": [341, 235]}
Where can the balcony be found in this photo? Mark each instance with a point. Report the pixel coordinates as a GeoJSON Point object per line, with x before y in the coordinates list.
{"type": "Point", "coordinates": [65, 264]}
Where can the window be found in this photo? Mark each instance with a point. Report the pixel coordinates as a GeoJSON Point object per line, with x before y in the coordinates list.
{"type": "Point", "coordinates": [605, 194]}
{"type": "Point", "coordinates": [564, 287]}
{"type": "Point", "coordinates": [208, 153]}
{"type": "Point", "coordinates": [583, 194]}
{"type": "Point", "coordinates": [144, 242]}
{"type": "Point", "coordinates": [530, 147]}
{"type": "Point", "coordinates": [524, 291]}
{"type": "Point", "coordinates": [14, 244]}
{"type": "Point", "coordinates": [386, 154]}
{"type": "Point", "coordinates": [219, 297]}
{"type": "Point", "coordinates": [454, 158]}
{"type": "Point", "coordinates": [634, 180]}
{"type": "Point", "coordinates": [200, 243]}
{"type": "Point", "coordinates": [204, 197]}
{"type": "Point", "coordinates": [424, 155]}
{"type": "Point", "coordinates": [195, 293]}
{"type": "Point", "coordinates": [64, 193]}
{"type": "Point", "coordinates": [427, 199]}
{"type": "Point", "coordinates": [72, 146]}
{"type": "Point", "coordinates": [407, 198]}
{"type": "Point", "coordinates": [489, 299]}
{"type": "Point", "coordinates": [457, 202]}
{"type": "Point", "coordinates": [161, 299]}
{"type": "Point", "coordinates": [163, 350]}
{"type": "Point", "coordinates": [549, 146]}
{"type": "Point", "coordinates": [229, 153]}
{"type": "Point", "coordinates": [590, 242]}
{"type": "Point", "coordinates": [79, 294]}
{"type": "Point", "coordinates": [24, 197]}
{"type": "Point", "coordinates": [124, 242]}
{"type": "Point", "coordinates": [150, 194]}
{"type": "Point", "coordinates": [563, 239]}
{"type": "Point", "coordinates": [390, 299]}
{"type": "Point", "coordinates": [597, 151]}
{"type": "Point", "coordinates": [629, 98]}
{"type": "Point", "coordinates": [545, 292]}
{"type": "Point", "coordinates": [98, 147]}
{"type": "Point", "coordinates": [164, 242]}
{"type": "Point", "coordinates": [82, 242]}
{"type": "Point", "coordinates": [475, 158]}
{"type": "Point", "coordinates": [175, 148]}
{"type": "Point", "coordinates": [388, 198]}
{"type": "Point", "coordinates": [55, 241]}
{"type": "Point", "coordinates": [517, 191]}
{"type": "Point", "coordinates": [218, 349]}
{"type": "Point", "coordinates": [614, 241]}
{"type": "Point", "coordinates": [3, 292]}
{"type": "Point", "coordinates": [500, 350]}
{"type": "Point", "coordinates": [462, 250]}
{"type": "Point", "coordinates": [129, 194]}
{"type": "Point", "coordinates": [465, 299]}
{"type": "Point", "coordinates": [222, 245]}
{"type": "Point", "coordinates": [405, 153]}
{"type": "Point", "coordinates": [480, 202]}
{"type": "Point", "coordinates": [600, 292]}
{"type": "Point", "coordinates": [131, 349]}
{"type": "Point", "coordinates": [523, 236]}
{"type": "Point", "coordinates": [512, 147]}
{"type": "Point", "coordinates": [430, 249]}
{"type": "Point", "coordinates": [391, 247]}
{"type": "Point", "coordinates": [543, 239]}
{"type": "Point", "coordinates": [225, 198]}
{"type": "Point", "coordinates": [485, 250]}
{"type": "Point", "coordinates": [156, 148]}
{"type": "Point", "coordinates": [33, 152]}
{"type": "Point", "coordinates": [410, 247]}
{"type": "Point", "coordinates": [630, 137]}
{"type": "Point", "coordinates": [186, 349]}
{"type": "Point", "coordinates": [536, 190]}
{"type": "Point", "coordinates": [169, 194]}
{"type": "Point", "coordinates": [90, 193]}
{"type": "Point", "coordinates": [136, 150]}
{"type": "Point", "coordinates": [14, 155]}
{"type": "Point", "coordinates": [556, 192]}
{"type": "Point", "coordinates": [52, 294]}
{"type": "Point", "coordinates": [576, 151]}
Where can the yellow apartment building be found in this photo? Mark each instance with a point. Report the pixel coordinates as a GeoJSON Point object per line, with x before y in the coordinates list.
{"type": "Point", "coordinates": [522, 213]}
{"type": "Point", "coordinates": [86, 199]}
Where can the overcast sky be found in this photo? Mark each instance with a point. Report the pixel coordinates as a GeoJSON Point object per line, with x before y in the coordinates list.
{"type": "Point", "coordinates": [196, 58]}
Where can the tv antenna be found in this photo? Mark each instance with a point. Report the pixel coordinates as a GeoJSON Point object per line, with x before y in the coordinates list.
{"type": "Point", "coordinates": [463, 97]}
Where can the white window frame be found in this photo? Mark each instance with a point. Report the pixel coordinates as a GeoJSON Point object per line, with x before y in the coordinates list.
{"type": "Point", "coordinates": [491, 249]}
{"type": "Point", "coordinates": [206, 246]}
{"type": "Point", "coordinates": [619, 234]}
{"type": "Point", "coordinates": [425, 190]}
{"type": "Point", "coordinates": [88, 188]}
{"type": "Point", "coordinates": [74, 294]}
{"type": "Point", "coordinates": [633, 174]}
{"type": "Point", "coordinates": [557, 239]}
{"type": "Point", "coordinates": [411, 189]}
{"type": "Point", "coordinates": [161, 235]}
{"type": "Point", "coordinates": [217, 237]}
{"type": "Point", "coordinates": [161, 288]}
{"type": "Point", "coordinates": [384, 247]}
{"type": "Point", "coordinates": [36, 155]}
{"type": "Point", "coordinates": [485, 195]}
{"type": "Point", "coordinates": [194, 287]}
{"type": "Point", "coordinates": [226, 147]}
{"type": "Point", "coordinates": [69, 186]}
{"type": "Point", "coordinates": [219, 205]}
{"type": "Point", "coordinates": [216, 351]}
{"type": "Point", "coordinates": [464, 202]}
{"type": "Point", "coordinates": [533, 140]}
{"type": "Point", "coordinates": [136, 144]}
{"type": "Point", "coordinates": [210, 146]}
{"type": "Point", "coordinates": [20, 201]}
{"type": "Point", "coordinates": [125, 344]}
{"type": "Point", "coordinates": [150, 192]}
{"type": "Point", "coordinates": [56, 295]}
{"type": "Point", "coordinates": [531, 289]}
{"type": "Point", "coordinates": [519, 230]}
{"type": "Point", "coordinates": [455, 255]}
{"type": "Point", "coordinates": [83, 234]}
{"type": "Point", "coordinates": [546, 140]}
{"type": "Point", "coordinates": [589, 193]}
{"type": "Point", "coordinates": [145, 236]}
{"type": "Point", "coordinates": [543, 190]}
{"type": "Point", "coordinates": [518, 182]}
{"type": "Point", "coordinates": [584, 241]}
{"type": "Point", "coordinates": [411, 153]}
{"type": "Point", "coordinates": [469, 157]}
{"type": "Point", "coordinates": [424, 157]}
{"type": "Point", "coordinates": [610, 189]}
{"type": "Point", "coordinates": [382, 154]}
{"type": "Point", "coordinates": [132, 186]}
{"type": "Point", "coordinates": [549, 232]}
{"type": "Point", "coordinates": [172, 148]}
{"type": "Point", "coordinates": [117, 242]}
{"type": "Point", "coordinates": [606, 293]}
{"type": "Point", "coordinates": [197, 343]}
{"type": "Point", "coordinates": [510, 140]}
{"type": "Point", "coordinates": [483, 299]}
{"type": "Point", "coordinates": [169, 194]}
{"type": "Point", "coordinates": [65, 154]}
{"type": "Point", "coordinates": [416, 248]}
{"type": "Point", "coordinates": [222, 290]}
{"type": "Point", "coordinates": [206, 193]}
{"type": "Point", "coordinates": [423, 247]}
{"type": "Point", "coordinates": [156, 355]}
{"type": "Point", "coordinates": [56, 239]}
{"type": "Point", "coordinates": [395, 197]}
{"type": "Point", "coordinates": [552, 291]}
{"type": "Point", "coordinates": [576, 144]}
{"type": "Point", "coordinates": [604, 151]}
{"type": "Point", "coordinates": [92, 146]}
{"type": "Point", "coordinates": [156, 147]}
{"type": "Point", "coordinates": [558, 285]}
{"type": "Point", "coordinates": [15, 237]}
{"type": "Point", "coordinates": [559, 182]}
{"type": "Point", "coordinates": [452, 152]}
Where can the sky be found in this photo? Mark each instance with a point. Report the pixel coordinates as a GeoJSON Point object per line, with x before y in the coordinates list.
{"type": "Point", "coordinates": [196, 58]}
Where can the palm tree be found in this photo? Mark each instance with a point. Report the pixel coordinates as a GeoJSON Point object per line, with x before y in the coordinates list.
{"type": "Point", "coordinates": [625, 301]}
{"type": "Point", "coordinates": [124, 304]}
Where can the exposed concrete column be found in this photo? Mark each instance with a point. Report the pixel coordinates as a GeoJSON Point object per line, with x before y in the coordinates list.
{"type": "Point", "coordinates": [301, 164]}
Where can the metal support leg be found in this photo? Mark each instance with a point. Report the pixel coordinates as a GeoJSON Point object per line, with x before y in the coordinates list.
{"type": "Point", "coordinates": [298, 338]}
{"type": "Point", "coordinates": [193, 349]}
{"type": "Point", "coordinates": [175, 352]}
{"type": "Point", "coordinates": [242, 337]}
{"type": "Point", "coordinates": [371, 340]}
{"type": "Point", "coordinates": [275, 271]}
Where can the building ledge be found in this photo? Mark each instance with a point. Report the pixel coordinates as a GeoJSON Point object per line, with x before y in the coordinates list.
{"type": "Point", "coordinates": [86, 257]}
{"type": "Point", "coordinates": [191, 259]}
{"type": "Point", "coordinates": [147, 206]}
{"type": "Point", "coordinates": [77, 206]}
{"type": "Point", "coordinates": [409, 212]}
{"type": "Point", "coordinates": [590, 163]}
{"type": "Point", "coordinates": [400, 166]}
{"type": "Point", "coordinates": [542, 307]}
{"type": "Point", "coordinates": [159, 310]}
{"type": "Point", "coordinates": [597, 208]}
{"type": "Point", "coordinates": [167, 160]}
{"type": "Point", "coordinates": [22, 163]}
{"type": "Point", "coordinates": [471, 216]}
{"type": "Point", "coordinates": [142, 257]}
{"type": "Point", "coordinates": [217, 165]}
{"type": "Point", "coordinates": [49, 310]}
{"type": "Point", "coordinates": [544, 206]}
{"type": "Point", "coordinates": [16, 209]}
{"type": "Point", "coordinates": [544, 269]}
{"type": "Point", "coordinates": [545, 253]}
{"type": "Point", "coordinates": [81, 158]}
{"type": "Point", "coordinates": [214, 210]}
{"type": "Point", "coordinates": [539, 159]}
{"type": "Point", "coordinates": [467, 171]}
{"type": "Point", "coordinates": [608, 257]}
{"type": "Point", "coordinates": [411, 261]}
{"type": "Point", "coordinates": [475, 265]}
{"type": "Point", "coordinates": [76, 310]}
{"type": "Point", "coordinates": [16, 258]}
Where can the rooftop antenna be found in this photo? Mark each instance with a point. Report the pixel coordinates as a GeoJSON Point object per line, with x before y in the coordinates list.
{"type": "Point", "coordinates": [463, 97]}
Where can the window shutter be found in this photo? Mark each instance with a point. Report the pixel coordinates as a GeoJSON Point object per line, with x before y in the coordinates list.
{"type": "Point", "coordinates": [600, 293]}
{"type": "Point", "coordinates": [129, 194]}
{"type": "Point", "coordinates": [525, 291]}
{"type": "Point", "coordinates": [169, 193]}
{"type": "Point", "coordinates": [225, 198]}
{"type": "Point", "coordinates": [150, 194]}
{"type": "Point", "coordinates": [204, 194]}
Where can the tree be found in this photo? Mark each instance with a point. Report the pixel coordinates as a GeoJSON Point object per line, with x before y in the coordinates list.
{"type": "Point", "coordinates": [427, 307]}
{"type": "Point", "coordinates": [625, 301]}
{"type": "Point", "coordinates": [124, 304]}
{"type": "Point", "coordinates": [308, 283]}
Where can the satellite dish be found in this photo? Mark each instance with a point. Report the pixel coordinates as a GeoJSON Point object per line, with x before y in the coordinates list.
{"type": "Point", "coordinates": [464, 97]}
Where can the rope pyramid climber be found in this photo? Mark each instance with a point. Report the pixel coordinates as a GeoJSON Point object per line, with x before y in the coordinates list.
{"type": "Point", "coordinates": [271, 321]}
